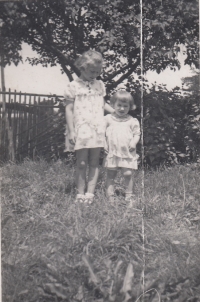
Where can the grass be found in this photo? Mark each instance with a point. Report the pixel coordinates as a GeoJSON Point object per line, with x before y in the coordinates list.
{"type": "Point", "coordinates": [56, 250]}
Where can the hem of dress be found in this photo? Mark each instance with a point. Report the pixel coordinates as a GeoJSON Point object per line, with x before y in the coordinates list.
{"type": "Point", "coordinates": [116, 168]}
{"type": "Point", "coordinates": [66, 150]}
{"type": "Point", "coordinates": [115, 162]}
{"type": "Point", "coordinates": [69, 150]}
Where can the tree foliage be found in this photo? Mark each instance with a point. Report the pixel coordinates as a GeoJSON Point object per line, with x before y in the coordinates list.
{"type": "Point", "coordinates": [171, 123]}
{"type": "Point", "coordinates": [192, 83]}
{"type": "Point", "coordinates": [59, 30]}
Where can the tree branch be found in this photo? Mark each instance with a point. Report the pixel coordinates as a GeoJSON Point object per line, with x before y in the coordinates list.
{"type": "Point", "coordinates": [114, 74]}
{"type": "Point", "coordinates": [47, 45]}
{"type": "Point", "coordinates": [64, 59]}
{"type": "Point", "coordinates": [124, 76]}
{"type": "Point", "coordinates": [66, 70]}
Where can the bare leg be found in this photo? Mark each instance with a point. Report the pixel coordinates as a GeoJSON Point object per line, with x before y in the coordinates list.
{"type": "Point", "coordinates": [111, 174]}
{"type": "Point", "coordinates": [82, 161]}
{"type": "Point", "coordinates": [94, 154]}
{"type": "Point", "coordinates": [128, 181]}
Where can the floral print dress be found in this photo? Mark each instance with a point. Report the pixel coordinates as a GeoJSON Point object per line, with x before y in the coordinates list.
{"type": "Point", "coordinates": [119, 133]}
{"type": "Point", "coordinates": [88, 114]}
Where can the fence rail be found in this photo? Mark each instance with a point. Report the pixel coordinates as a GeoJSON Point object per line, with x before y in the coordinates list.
{"type": "Point", "coordinates": [30, 94]}
{"type": "Point", "coordinates": [25, 119]}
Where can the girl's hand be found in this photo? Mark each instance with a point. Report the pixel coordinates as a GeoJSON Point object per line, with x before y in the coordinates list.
{"type": "Point", "coordinates": [132, 146]}
{"type": "Point", "coordinates": [72, 138]}
{"type": "Point", "coordinates": [108, 108]}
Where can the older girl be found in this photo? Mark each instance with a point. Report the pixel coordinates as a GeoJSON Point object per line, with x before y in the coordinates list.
{"type": "Point", "coordinates": [85, 131]}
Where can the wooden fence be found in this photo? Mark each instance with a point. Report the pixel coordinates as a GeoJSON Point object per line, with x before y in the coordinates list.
{"type": "Point", "coordinates": [26, 120]}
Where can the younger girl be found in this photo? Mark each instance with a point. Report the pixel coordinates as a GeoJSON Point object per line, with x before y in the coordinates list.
{"type": "Point", "coordinates": [85, 130]}
{"type": "Point", "coordinates": [122, 136]}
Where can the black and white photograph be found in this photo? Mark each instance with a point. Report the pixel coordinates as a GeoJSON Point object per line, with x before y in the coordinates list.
{"type": "Point", "coordinates": [100, 151]}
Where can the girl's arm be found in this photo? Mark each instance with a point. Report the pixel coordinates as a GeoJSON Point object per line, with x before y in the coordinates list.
{"type": "Point", "coordinates": [69, 114]}
{"type": "Point", "coordinates": [134, 142]}
{"type": "Point", "coordinates": [136, 136]}
{"type": "Point", "coordinates": [106, 126]}
{"type": "Point", "coordinates": [108, 108]}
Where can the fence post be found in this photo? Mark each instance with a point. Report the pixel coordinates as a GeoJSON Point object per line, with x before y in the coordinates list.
{"type": "Point", "coordinates": [15, 123]}
{"type": "Point", "coordinates": [8, 128]}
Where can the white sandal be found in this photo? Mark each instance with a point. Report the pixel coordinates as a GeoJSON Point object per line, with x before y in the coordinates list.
{"type": "Point", "coordinates": [130, 198]}
{"type": "Point", "coordinates": [80, 198]}
{"type": "Point", "coordinates": [111, 199]}
{"type": "Point", "coordinates": [89, 198]}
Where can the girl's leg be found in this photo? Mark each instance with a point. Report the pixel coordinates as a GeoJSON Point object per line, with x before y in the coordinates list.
{"type": "Point", "coordinates": [93, 163]}
{"type": "Point", "coordinates": [128, 181]}
{"type": "Point", "coordinates": [111, 174]}
{"type": "Point", "coordinates": [81, 167]}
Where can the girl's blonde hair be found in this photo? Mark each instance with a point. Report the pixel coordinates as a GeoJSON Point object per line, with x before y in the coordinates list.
{"type": "Point", "coordinates": [124, 96]}
{"type": "Point", "coordinates": [90, 57]}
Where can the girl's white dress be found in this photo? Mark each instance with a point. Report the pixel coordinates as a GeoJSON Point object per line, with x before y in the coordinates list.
{"type": "Point", "coordinates": [88, 114]}
{"type": "Point", "coordinates": [119, 133]}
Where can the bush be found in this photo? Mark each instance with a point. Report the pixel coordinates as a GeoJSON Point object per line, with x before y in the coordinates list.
{"type": "Point", "coordinates": [171, 124]}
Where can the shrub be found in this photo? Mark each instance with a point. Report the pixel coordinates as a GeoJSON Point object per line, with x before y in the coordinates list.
{"type": "Point", "coordinates": [171, 124]}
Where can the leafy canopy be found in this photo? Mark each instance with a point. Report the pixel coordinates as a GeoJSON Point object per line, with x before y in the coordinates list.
{"type": "Point", "coordinates": [59, 30]}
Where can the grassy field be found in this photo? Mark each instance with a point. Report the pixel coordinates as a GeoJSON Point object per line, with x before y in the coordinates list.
{"type": "Point", "coordinates": [56, 250]}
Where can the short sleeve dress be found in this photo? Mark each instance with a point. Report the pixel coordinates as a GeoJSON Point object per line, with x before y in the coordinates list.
{"type": "Point", "coordinates": [119, 133]}
{"type": "Point", "coordinates": [89, 124]}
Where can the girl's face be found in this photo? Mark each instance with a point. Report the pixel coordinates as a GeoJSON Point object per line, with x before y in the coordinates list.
{"type": "Point", "coordinates": [121, 108]}
{"type": "Point", "coordinates": [90, 72]}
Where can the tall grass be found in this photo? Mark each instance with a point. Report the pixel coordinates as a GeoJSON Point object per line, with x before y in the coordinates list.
{"type": "Point", "coordinates": [56, 250]}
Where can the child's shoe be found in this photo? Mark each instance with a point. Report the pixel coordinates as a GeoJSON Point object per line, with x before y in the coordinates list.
{"type": "Point", "coordinates": [80, 198]}
{"type": "Point", "coordinates": [130, 197]}
{"type": "Point", "coordinates": [111, 199]}
{"type": "Point", "coordinates": [89, 198]}
{"type": "Point", "coordinates": [130, 200]}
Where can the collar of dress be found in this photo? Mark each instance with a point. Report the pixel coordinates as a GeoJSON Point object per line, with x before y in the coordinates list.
{"type": "Point", "coordinates": [85, 82]}
{"type": "Point", "coordinates": [121, 119]}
